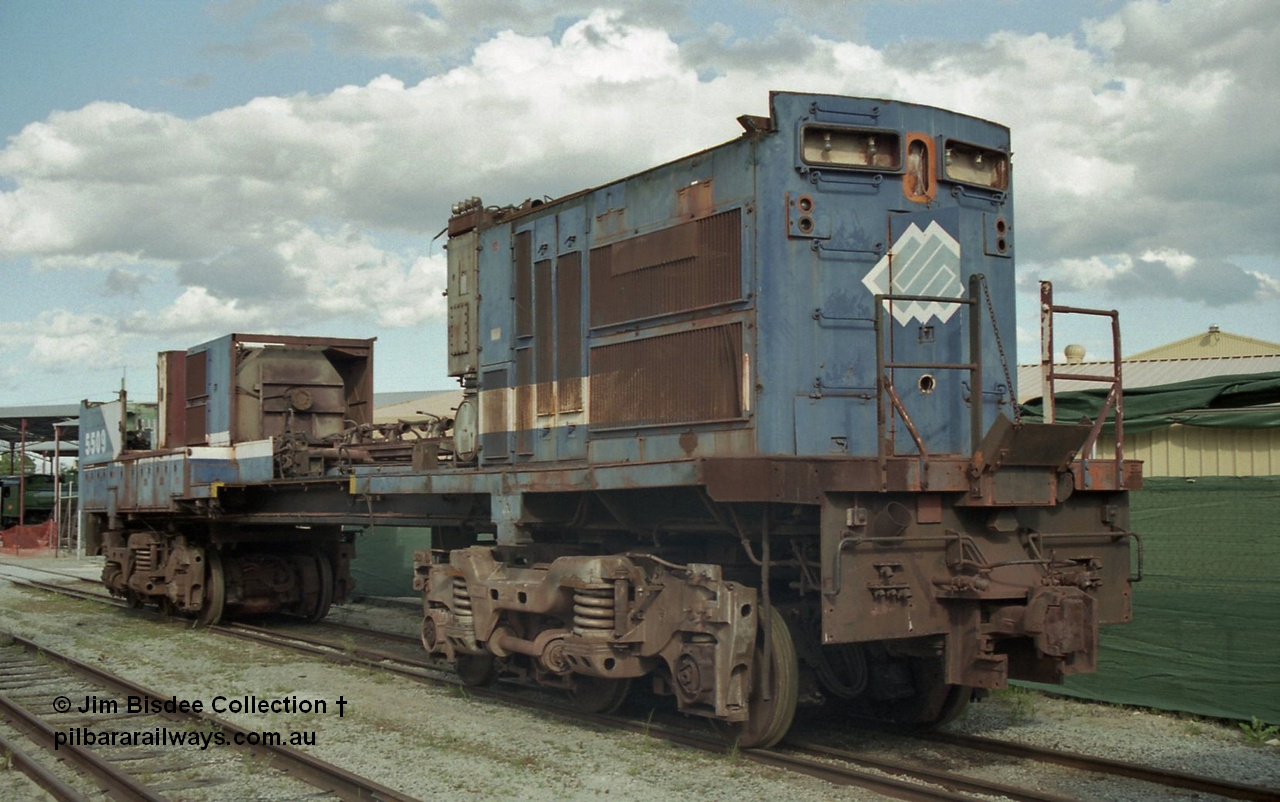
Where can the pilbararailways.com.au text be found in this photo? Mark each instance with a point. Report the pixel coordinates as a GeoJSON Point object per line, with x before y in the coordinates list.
{"type": "Point", "coordinates": [164, 736]}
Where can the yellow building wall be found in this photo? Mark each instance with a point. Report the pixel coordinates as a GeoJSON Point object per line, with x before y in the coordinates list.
{"type": "Point", "coordinates": [1201, 451]}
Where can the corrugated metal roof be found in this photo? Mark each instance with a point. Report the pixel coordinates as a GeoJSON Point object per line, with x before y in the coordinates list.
{"type": "Point", "coordinates": [65, 448]}
{"type": "Point", "coordinates": [40, 421]}
{"type": "Point", "coordinates": [1145, 372]}
{"type": "Point", "coordinates": [1208, 344]}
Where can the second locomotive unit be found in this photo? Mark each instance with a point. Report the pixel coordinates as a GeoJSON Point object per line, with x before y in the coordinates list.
{"type": "Point", "coordinates": [741, 426]}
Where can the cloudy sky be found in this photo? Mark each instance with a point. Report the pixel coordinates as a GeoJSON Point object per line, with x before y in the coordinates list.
{"type": "Point", "coordinates": [171, 172]}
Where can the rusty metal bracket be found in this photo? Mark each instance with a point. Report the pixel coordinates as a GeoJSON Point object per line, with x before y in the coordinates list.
{"type": "Point", "coordinates": [1125, 535]}
{"type": "Point", "coordinates": [766, 623]}
{"type": "Point", "coordinates": [948, 537]}
{"type": "Point", "coordinates": [742, 537]}
{"type": "Point", "coordinates": [1137, 539]}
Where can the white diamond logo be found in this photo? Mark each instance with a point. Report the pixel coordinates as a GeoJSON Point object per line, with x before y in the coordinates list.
{"type": "Point", "coordinates": [919, 263]}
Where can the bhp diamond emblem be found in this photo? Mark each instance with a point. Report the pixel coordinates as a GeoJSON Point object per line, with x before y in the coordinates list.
{"type": "Point", "coordinates": [924, 263]}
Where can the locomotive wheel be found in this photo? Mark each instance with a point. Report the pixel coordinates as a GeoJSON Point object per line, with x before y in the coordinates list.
{"type": "Point", "coordinates": [477, 670]}
{"type": "Point", "coordinates": [428, 634]}
{"type": "Point", "coordinates": [325, 600]}
{"type": "Point", "coordinates": [933, 703]}
{"type": "Point", "coordinates": [769, 719]}
{"type": "Point", "coordinates": [930, 707]}
{"type": "Point", "coordinates": [936, 701]}
{"type": "Point", "coordinates": [600, 694]}
{"type": "Point", "coordinates": [133, 599]}
{"type": "Point", "coordinates": [215, 590]}
{"type": "Point", "coordinates": [957, 699]}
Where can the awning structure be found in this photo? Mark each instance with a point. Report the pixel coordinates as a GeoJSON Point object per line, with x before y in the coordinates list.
{"type": "Point", "coordinates": [66, 448]}
{"type": "Point", "coordinates": [41, 422]}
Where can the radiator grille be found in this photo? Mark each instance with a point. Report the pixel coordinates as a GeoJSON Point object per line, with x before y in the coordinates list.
{"type": "Point", "coordinates": [524, 283]}
{"type": "Point", "coordinates": [544, 315]}
{"type": "Point", "coordinates": [688, 266]}
{"type": "Point", "coordinates": [495, 422]}
{"type": "Point", "coordinates": [524, 401]}
{"type": "Point", "coordinates": [684, 377]}
{"type": "Point", "coordinates": [569, 331]}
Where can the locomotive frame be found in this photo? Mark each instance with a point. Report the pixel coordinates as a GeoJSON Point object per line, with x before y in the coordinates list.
{"type": "Point", "coordinates": [742, 425]}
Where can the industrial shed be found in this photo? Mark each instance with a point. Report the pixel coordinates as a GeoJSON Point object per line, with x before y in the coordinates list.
{"type": "Point", "coordinates": [1232, 432]}
{"type": "Point", "coordinates": [38, 505]}
{"type": "Point", "coordinates": [1203, 414]}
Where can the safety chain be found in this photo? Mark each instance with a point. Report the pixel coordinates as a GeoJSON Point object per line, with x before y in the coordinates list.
{"type": "Point", "coordinates": [1004, 362]}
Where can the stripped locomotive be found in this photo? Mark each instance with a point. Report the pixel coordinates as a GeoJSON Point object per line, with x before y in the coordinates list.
{"type": "Point", "coordinates": [239, 409]}
{"type": "Point", "coordinates": [742, 426]}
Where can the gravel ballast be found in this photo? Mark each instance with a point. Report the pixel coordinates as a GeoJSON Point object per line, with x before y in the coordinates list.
{"type": "Point", "coordinates": [441, 742]}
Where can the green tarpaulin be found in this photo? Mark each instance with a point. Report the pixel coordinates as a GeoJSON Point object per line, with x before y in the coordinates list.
{"type": "Point", "coordinates": [384, 560]}
{"type": "Point", "coordinates": [1206, 631]}
{"type": "Point", "coordinates": [1242, 402]}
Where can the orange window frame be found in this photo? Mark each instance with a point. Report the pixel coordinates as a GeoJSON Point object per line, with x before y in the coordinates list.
{"type": "Point", "coordinates": [927, 170]}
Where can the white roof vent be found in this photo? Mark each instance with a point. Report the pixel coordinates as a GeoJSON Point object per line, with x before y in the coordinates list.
{"type": "Point", "coordinates": [1074, 353]}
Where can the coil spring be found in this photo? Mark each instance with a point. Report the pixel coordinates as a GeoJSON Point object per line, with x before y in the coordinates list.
{"type": "Point", "coordinates": [593, 608]}
{"type": "Point", "coordinates": [461, 599]}
{"type": "Point", "coordinates": [142, 560]}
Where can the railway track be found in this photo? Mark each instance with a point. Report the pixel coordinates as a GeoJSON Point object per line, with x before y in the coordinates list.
{"type": "Point", "coordinates": [1102, 765]}
{"type": "Point", "coordinates": [895, 778]}
{"type": "Point", "coordinates": [21, 569]}
{"type": "Point", "coordinates": [802, 757]}
{"type": "Point", "coordinates": [153, 749]}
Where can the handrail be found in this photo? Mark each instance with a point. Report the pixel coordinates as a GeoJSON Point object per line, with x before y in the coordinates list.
{"type": "Point", "coordinates": [885, 413]}
{"type": "Point", "coordinates": [1049, 376]}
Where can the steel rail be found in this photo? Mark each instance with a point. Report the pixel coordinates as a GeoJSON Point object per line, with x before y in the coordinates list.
{"type": "Point", "coordinates": [845, 775]}
{"type": "Point", "coordinates": [51, 783]}
{"type": "Point", "coordinates": [812, 765]}
{"type": "Point", "coordinates": [64, 574]}
{"type": "Point", "coordinates": [411, 668]}
{"type": "Point", "coordinates": [332, 651]}
{"type": "Point", "coordinates": [66, 590]}
{"type": "Point", "coordinates": [947, 779]}
{"type": "Point", "coordinates": [1102, 765]}
{"type": "Point", "coordinates": [312, 770]}
{"type": "Point", "coordinates": [381, 633]}
{"type": "Point", "coordinates": [809, 766]}
{"type": "Point", "coordinates": [117, 783]}
{"type": "Point", "coordinates": [92, 596]}
{"type": "Point", "coordinates": [377, 659]}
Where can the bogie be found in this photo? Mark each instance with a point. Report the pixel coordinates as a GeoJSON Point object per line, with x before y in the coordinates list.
{"type": "Point", "coordinates": [185, 577]}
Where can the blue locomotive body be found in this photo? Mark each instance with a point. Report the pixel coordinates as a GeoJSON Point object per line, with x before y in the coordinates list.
{"type": "Point", "coordinates": [724, 304]}
{"type": "Point", "coordinates": [743, 424]}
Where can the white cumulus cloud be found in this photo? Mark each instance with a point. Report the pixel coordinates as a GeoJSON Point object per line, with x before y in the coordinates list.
{"type": "Point", "coordinates": [289, 211]}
